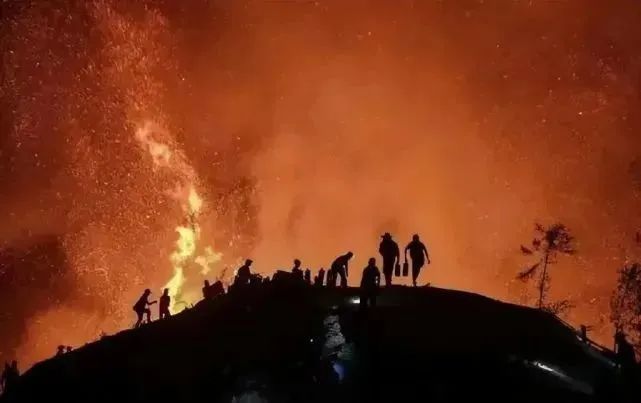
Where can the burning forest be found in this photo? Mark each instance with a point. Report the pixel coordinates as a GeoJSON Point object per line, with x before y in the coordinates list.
{"type": "Point", "coordinates": [158, 144]}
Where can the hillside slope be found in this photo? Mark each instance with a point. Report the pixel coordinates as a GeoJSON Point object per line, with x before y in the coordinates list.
{"type": "Point", "coordinates": [287, 342]}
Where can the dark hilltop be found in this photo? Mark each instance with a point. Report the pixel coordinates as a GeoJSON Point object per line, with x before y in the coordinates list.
{"type": "Point", "coordinates": [286, 341]}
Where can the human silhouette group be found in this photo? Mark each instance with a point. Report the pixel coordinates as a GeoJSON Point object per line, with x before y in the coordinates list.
{"type": "Point", "coordinates": [335, 276]}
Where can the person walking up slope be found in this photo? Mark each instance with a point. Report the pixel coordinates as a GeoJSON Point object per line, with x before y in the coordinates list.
{"type": "Point", "coordinates": [418, 254]}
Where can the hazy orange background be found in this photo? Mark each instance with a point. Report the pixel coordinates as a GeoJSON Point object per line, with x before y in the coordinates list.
{"type": "Point", "coordinates": [312, 127]}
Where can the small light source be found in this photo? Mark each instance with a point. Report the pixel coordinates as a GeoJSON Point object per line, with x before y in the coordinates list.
{"type": "Point", "coordinates": [355, 300]}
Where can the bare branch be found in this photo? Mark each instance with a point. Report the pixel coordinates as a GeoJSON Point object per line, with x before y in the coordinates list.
{"type": "Point", "coordinates": [525, 250]}
{"type": "Point", "coordinates": [527, 274]}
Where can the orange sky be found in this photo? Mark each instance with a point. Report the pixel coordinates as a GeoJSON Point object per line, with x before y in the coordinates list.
{"type": "Point", "coordinates": [311, 129]}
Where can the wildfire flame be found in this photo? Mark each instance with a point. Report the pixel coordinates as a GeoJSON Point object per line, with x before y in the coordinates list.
{"type": "Point", "coordinates": [185, 252]}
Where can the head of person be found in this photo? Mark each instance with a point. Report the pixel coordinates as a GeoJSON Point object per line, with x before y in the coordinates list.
{"type": "Point", "coordinates": [349, 255]}
{"type": "Point", "coordinates": [371, 261]}
{"type": "Point", "coordinates": [147, 291]}
{"type": "Point", "coordinates": [61, 348]}
{"type": "Point", "coordinates": [387, 236]}
{"type": "Point", "coordinates": [206, 283]}
{"type": "Point", "coordinates": [248, 262]}
{"type": "Point", "coordinates": [165, 291]}
{"type": "Point", "coordinates": [415, 238]}
{"type": "Point", "coordinates": [296, 262]}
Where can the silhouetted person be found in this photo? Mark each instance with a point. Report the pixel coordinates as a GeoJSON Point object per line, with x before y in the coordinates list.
{"type": "Point", "coordinates": [369, 284]}
{"type": "Point", "coordinates": [243, 275]}
{"type": "Point", "coordinates": [296, 270]}
{"type": "Point", "coordinates": [61, 351]}
{"type": "Point", "coordinates": [3, 378]}
{"type": "Point", "coordinates": [624, 351]}
{"type": "Point", "coordinates": [321, 277]}
{"type": "Point", "coordinates": [418, 253]}
{"type": "Point", "coordinates": [206, 290]}
{"type": "Point", "coordinates": [69, 348]}
{"type": "Point", "coordinates": [340, 267]}
{"type": "Point", "coordinates": [331, 278]}
{"type": "Point", "coordinates": [391, 256]}
{"type": "Point", "coordinates": [10, 376]}
{"type": "Point", "coordinates": [163, 304]}
{"type": "Point", "coordinates": [308, 276]}
{"type": "Point", "coordinates": [141, 307]}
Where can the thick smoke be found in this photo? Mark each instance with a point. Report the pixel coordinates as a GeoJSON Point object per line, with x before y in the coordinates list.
{"type": "Point", "coordinates": [313, 127]}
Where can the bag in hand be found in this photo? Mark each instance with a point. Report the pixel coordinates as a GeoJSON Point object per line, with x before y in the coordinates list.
{"type": "Point", "coordinates": [397, 270]}
{"type": "Point", "coordinates": [406, 269]}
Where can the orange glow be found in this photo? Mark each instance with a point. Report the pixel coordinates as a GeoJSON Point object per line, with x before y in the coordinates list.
{"type": "Point", "coordinates": [160, 144]}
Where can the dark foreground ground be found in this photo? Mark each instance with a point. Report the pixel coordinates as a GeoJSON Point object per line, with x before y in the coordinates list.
{"type": "Point", "coordinates": [283, 342]}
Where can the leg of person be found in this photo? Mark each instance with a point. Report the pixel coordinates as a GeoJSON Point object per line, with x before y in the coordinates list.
{"type": "Point", "coordinates": [139, 321]}
{"type": "Point", "coordinates": [416, 270]}
{"type": "Point", "coordinates": [148, 312]}
{"type": "Point", "coordinates": [386, 276]}
{"type": "Point", "coordinates": [388, 271]}
{"type": "Point", "coordinates": [343, 278]}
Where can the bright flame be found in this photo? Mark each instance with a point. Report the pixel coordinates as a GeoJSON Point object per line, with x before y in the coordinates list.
{"type": "Point", "coordinates": [191, 203]}
{"type": "Point", "coordinates": [194, 202]}
{"type": "Point", "coordinates": [207, 259]}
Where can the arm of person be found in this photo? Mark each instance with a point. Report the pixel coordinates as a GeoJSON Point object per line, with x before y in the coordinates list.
{"type": "Point", "coordinates": [427, 255]}
{"type": "Point", "coordinates": [152, 302]}
{"type": "Point", "coordinates": [405, 253]}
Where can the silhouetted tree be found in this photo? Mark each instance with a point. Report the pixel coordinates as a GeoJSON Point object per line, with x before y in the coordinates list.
{"type": "Point", "coordinates": [625, 304]}
{"type": "Point", "coordinates": [547, 244]}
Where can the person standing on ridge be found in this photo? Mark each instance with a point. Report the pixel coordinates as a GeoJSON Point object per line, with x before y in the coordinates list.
{"type": "Point", "coordinates": [340, 267]}
{"type": "Point", "coordinates": [163, 305]}
{"type": "Point", "coordinates": [9, 376]}
{"type": "Point", "coordinates": [141, 307]}
{"type": "Point", "coordinates": [331, 278]}
{"type": "Point", "coordinates": [418, 253]}
{"type": "Point", "coordinates": [319, 280]}
{"type": "Point", "coordinates": [369, 284]}
{"type": "Point", "coordinates": [296, 270]}
{"type": "Point", "coordinates": [206, 290]}
{"type": "Point", "coordinates": [243, 275]}
{"type": "Point", "coordinates": [391, 257]}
